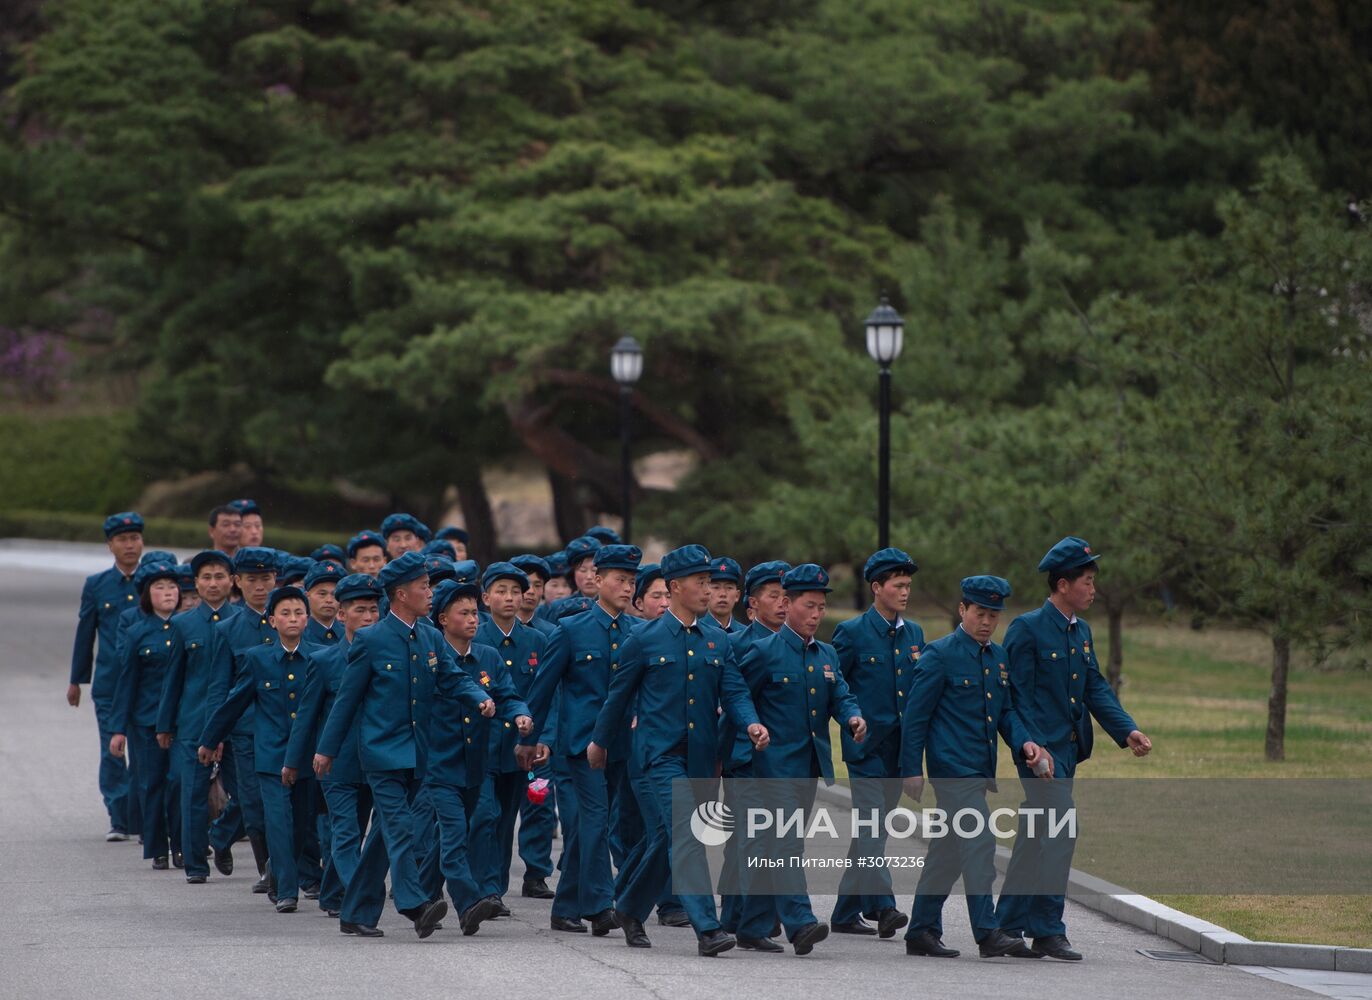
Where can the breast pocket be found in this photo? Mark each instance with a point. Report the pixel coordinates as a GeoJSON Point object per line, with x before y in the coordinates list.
{"type": "Point", "coordinates": [781, 682]}
{"type": "Point", "coordinates": [588, 658]}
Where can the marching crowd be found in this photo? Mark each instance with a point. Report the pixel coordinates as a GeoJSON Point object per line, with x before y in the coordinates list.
{"type": "Point", "coordinates": [390, 708]}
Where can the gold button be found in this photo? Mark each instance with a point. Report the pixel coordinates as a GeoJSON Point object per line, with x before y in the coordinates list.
{"type": "Point", "coordinates": [509, 663]}
{"type": "Point", "coordinates": [268, 684]}
{"type": "Point", "coordinates": [130, 596]}
{"type": "Point", "coordinates": [469, 739]}
{"type": "Point", "coordinates": [898, 672]}
{"type": "Point", "coordinates": [900, 694]}
{"type": "Point", "coordinates": [690, 701]}
{"type": "Point", "coordinates": [291, 696]}
{"type": "Point", "coordinates": [965, 682]}
{"type": "Point", "coordinates": [690, 725]}
{"type": "Point", "coordinates": [786, 680]}
{"type": "Point", "coordinates": [988, 695]}
{"type": "Point", "coordinates": [614, 645]}
{"type": "Point", "coordinates": [388, 666]}
{"type": "Point", "coordinates": [292, 715]}
{"type": "Point", "coordinates": [1055, 656]}
{"type": "Point", "coordinates": [413, 680]}
{"type": "Point", "coordinates": [871, 659]}
{"type": "Point", "coordinates": [168, 642]}
{"type": "Point", "coordinates": [812, 711]}
{"type": "Point", "coordinates": [413, 724]}
{"type": "Point", "coordinates": [988, 718]}
{"type": "Point", "coordinates": [690, 652]}
{"type": "Point", "coordinates": [690, 677]}
{"type": "Point", "coordinates": [413, 702]}
{"type": "Point", "coordinates": [467, 719]}
{"type": "Point", "coordinates": [290, 677]}
{"type": "Point", "coordinates": [985, 670]}
{"type": "Point", "coordinates": [507, 725]}
{"type": "Point", "coordinates": [1074, 677]}
{"type": "Point", "coordinates": [662, 659]}
{"type": "Point", "coordinates": [267, 639]}
{"type": "Point", "coordinates": [1072, 650]}
{"type": "Point", "coordinates": [812, 690]}
{"type": "Point", "coordinates": [588, 656]}
{"type": "Point", "coordinates": [414, 656]}
{"type": "Point", "coordinates": [1074, 701]}
{"type": "Point", "coordinates": [812, 668]}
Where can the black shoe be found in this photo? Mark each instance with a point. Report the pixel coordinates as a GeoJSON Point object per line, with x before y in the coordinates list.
{"type": "Point", "coordinates": [177, 860]}
{"type": "Point", "coordinates": [857, 926]}
{"type": "Point", "coordinates": [634, 934]}
{"type": "Point", "coordinates": [223, 861]}
{"type": "Point", "coordinates": [470, 918]}
{"type": "Point", "coordinates": [332, 914]}
{"type": "Point", "coordinates": [673, 918]}
{"type": "Point", "coordinates": [1056, 946]}
{"type": "Point", "coordinates": [889, 921]}
{"type": "Point", "coordinates": [714, 942]}
{"type": "Point", "coordinates": [536, 888]}
{"type": "Point", "coordinates": [501, 910]}
{"type": "Point", "coordinates": [196, 879]}
{"type": "Point", "coordinates": [998, 944]}
{"type": "Point", "coordinates": [360, 930]}
{"type": "Point", "coordinates": [808, 936]}
{"type": "Point", "coordinates": [115, 836]}
{"type": "Point", "coordinates": [285, 905]}
{"type": "Point", "coordinates": [760, 944]}
{"type": "Point", "coordinates": [426, 918]}
{"type": "Point", "coordinates": [567, 924]}
{"type": "Point", "coordinates": [925, 943]}
{"type": "Point", "coordinates": [160, 864]}
{"type": "Point", "coordinates": [776, 930]}
{"type": "Point", "coordinates": [312, 892]}
{"type": "Point", "coordinates": [602, 923]}
{"type": "Point", "coordinates": [263, 884]}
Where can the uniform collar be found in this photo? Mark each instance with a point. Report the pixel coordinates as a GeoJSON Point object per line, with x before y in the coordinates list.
{"type": "Point", "coordinates": [793, 638]}
{"type": "Point", "coordinates": [460, 655]}
{"type": "Point", "coordinates": [726, 626]}
{"type": "Point", "coordinates": [762, 630]}
{"type": "Point", "coordinates": [282, 652]}
{"type": "Point", "coordinates": [966, 639]}
{"type": "Point", "coordinates": [503, 634]}
{"type": "Point", "coordinates": [1057, 617]}
{"type": "Point", "coordinates": [603, 616]}
{"type": "Point", "coordinates": [675, 624]}
{"type": "Point", "coordinates": [879, 623]}
{"type": "Point", "coordinates": [326, 628]}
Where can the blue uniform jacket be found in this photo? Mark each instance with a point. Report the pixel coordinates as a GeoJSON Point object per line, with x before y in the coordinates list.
{"type": "Point", "coordinates": [797, 688]}
{"type": "Point", "coordinates": [461, 738]}
{"type": "Point", "coordinates": [104, 596]}
{"type": "Point", "coordinates": [185, 704]}
{"type": "Point", "coordinates": [145, 652]}
{"type": "Point", "coordinates": [878, 662]}
{"type": "Point", "coordinates": [321, 635]}
{"type": "Point", "coordinates": [958, 703]}
{"type": "Point", "coordinates": [579, 661]}
{"type": "Point", "coordinates": [271, 680]}
{"type": "Point", "coordinates": [679, 678]}
{"type": "Point", "coordinates": [735, 749]}
{"type": "Point", "coordinates": [389, 686]}
{"type": "Point", "coordinates": [565, 607]}
{"type": "Point", "coordinates": [520, 654]}
{"type": "Point", "coordinates": [322, 679]}
{"type": "Point", "coordinates": [232, 638]}
{"type": "Point", "coordinates": [1058, 686]}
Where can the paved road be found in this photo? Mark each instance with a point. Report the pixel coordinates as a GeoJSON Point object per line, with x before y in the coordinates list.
{"type": "Point", "coordinates": [79, 917]}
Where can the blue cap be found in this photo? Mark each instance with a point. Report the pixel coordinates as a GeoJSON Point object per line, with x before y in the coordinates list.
{"type": "Point", "coordinates": [245, 506]}
{"type": "Point", "coordinates": [805, 578]}
{"type": "Point", "coordinates": [185, 576]}
{"type": "Point", "coordinates": [284, 593]}
{"type": "Point", "coordinates": [118, 524]}
{"type": "Point", "coordinates": [887, 560]}
{"type": "Point", "coordinates": [362, 539]}
{"type": "Point", "coordinates": [604, 535]}
{"type": "Point", "coordinates": [323, 572]}
{"type": "Point", "coordinates": [685, 561]}
{"type": "Point", "coordinates": [150, 571]}
{"type": "Point", "coordinates": [447, 592]}
{"type": "Point", "coordinates": [723, 569]}
{"type": "Point", "coordinates": [616, 556]}
{"type": "Point", "coordinates": [402, 569]}
{"type": "Point", "coordinates": [986, 591]}
{"type": "Point", "coordinates": [1070, 553]}
{"type": "Point", "coordinates": [342, 567]}
{"type": "Point", "coordinates": [211, 556]}
{"type": "Point", "coordinates": [405, 522]}
{"type": "Point", "coordinates": [452, 531]}
{"type": "Point", "coordinates": [330, 551]}
{"type": "Point", "coordinates": [531, 563]}
{"type": "Point", "coordinates": [467, 571]}
{"type": "Point", "coordinates": [580, 548]}
{"type": "Point", "coordinates": [504, 571]}
{"type": "Point", "coordinates": [647, 573]}
{"type": "Point", "coordinates": [157, 555]}
{"type": "Point", "coordinates": [764, 572]}
{"type": "Point", "coordinates": [440, 568]}
{"type": "Point", "coordinates": [557, 562]}
{"type": "Point", "coordinates": [294, 569]}
{"type": "Point", "coordinates": [355, 586]}
{"type": "Point", "coordinates": [255, 559]}
{"type": "Point", "coordinates": [438, 547]}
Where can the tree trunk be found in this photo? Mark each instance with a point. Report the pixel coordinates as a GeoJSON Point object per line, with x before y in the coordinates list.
{"type": "Point", "coordinates": [482, 544]}
{"type": "Point", "coordinates": [1276, 702]}
{"type": "Point", "coordinates": [1115, 666]}
{"type": "Point", "coordinates": [569, 514]}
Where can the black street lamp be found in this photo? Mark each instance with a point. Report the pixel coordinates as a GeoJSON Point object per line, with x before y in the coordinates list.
{"type": "Point", "coordinates": [885, 337]}
{"type": "Point", "coordinates": [626, 365]}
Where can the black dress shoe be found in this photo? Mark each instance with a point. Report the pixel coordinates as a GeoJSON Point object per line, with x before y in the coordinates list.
{"type": "Point", "coordinates": [177, 860]}
{"type": "Point", "coordinates": [427, 917]}
{"type": "Point", "coordinates": [854, 927]}
{"type": "Point", "coordinates": [310, 892]}
{"type": "Point", "coordinates": [360, 930]}
{"type": "Point", "coordinates": [673, 918]}
{"type": "Point", "coordinates": [998, 944]}
{"type": "Point", "coordinates": [331, 913]}
{"type": "Point", "coordinates": [501, 910]}
{"type": "Point", "coordinates": [714, 942]}
{"type": "Point", "coordinates": [223, 861]}
{"type": "Point", "coordinates": [808, 936]}
{"type": "Point", "coordinates": [1056, 946]}
{"type": "Point", "coordinates": [602, 923]}
{"type": "Point", "coordinates": [536, 888]}
{"type": "Point", "coordinates": [760, 944]}
{"type": "Point", "coordinates": [634, 934]}
{"type": "Point", "coordinates": [196, 879]}
{"type": "Point", "coordinates": [925, 943]}
{"type": "Point", "coordinates": [263, 884]}
{"type": "Point", "coordinates": [160, 864]}
{"type": "Point", "coordinates": [285, 905]}
{"type": "Point", "coordinates": [776, 930]}
{"type": "Point", "coordinates": [889, 921]}
{"type": "Point", "coordinates": [567, 924]}
{"type": "Point", "coordinates": [470, 918]}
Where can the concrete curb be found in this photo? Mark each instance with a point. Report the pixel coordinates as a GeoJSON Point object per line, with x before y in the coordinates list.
{"type": "Point", "coordinates": [1211, 940]}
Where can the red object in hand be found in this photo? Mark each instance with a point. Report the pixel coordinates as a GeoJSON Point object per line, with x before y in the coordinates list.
{"type": "Point", "coordinates": [538, 791]}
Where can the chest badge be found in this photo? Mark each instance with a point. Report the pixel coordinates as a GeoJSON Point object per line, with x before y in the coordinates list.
{"type": "Point", "coordinates": [433, 658]}
{"type": "Point", "coordinates": [828, 672]}
{"type": "Point", "coordinates": [1086, 647]}
{"type": "Point", "coordinates": [914, 652]}
{"type": "Point", "coordinates": [533, 659]}
{"type": "Point", "coordinates": [485, 679]}
{"type": "Point", "coordinates": [710, 644]}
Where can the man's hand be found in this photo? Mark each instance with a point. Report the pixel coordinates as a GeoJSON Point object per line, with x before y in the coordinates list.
{"type": "Point", "coordinates": [542, 754]}
{"type": "Point", "coordinates": [288, 776]}
{"type": "Point", "coordinates": [524, 724]}
{"type": "Point", "coordinates": [207, 756]}
{"type": "Point", "coordinates": [322, 765]}
{"type": "Point", "coordinates": [757, 732]}
{"type": "Point", "coordinates": [596, 756]}
{"type": "Point", "coordinates": [857, 725]}
{"type": "Point", "coordinates": [487, 708]}
{"type": "Point", "coordinates": [73, 695]}
{"type": "Point", "coordinates": [913, 787]}
{"type": "Point", "coordinates": [1139, 744]}
{"type": "Point", "coordinates": [1039, 759]}
{"type": "Point", "coordinates": [164, 740]}
{"type": "Point", "coordinates": [117, 744]}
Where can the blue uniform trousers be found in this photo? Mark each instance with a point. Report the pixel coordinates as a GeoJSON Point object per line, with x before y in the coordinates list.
{"type": "Point", "coordinates": [389, 844]}
{"type": "Point", "coordinates": [194, 781]}
{"type": "Point", "coordinates": [652, 839]}
{"type": "Point", "coordinates": [733, 875]}
{"type": "Point", "coordinates": [114, 771]}
{"type": "Point", "coordinates": [626, 819]}
{"type": "Point", "coordinates": [568, 812]}
{"type": "Point", "coordinates": [537, 825]}
{"type": "Point", "coordinates": [1039, 864]}
{"type": "Point", "coordinates": [350, 808]}
{"type": "Point", "coordinates": [785, 895]}
{"type": "Point", "coordinates": [493, 827]}
{"type": "Point", "coordinates": [450, 858]}
{"type": "Point", "coordinates": [952, 855]}
{"type": "Point", "coordinates": [586, 886]}
{"type": "Point", "coordinates": [875, 783]}
{"type": "Point", "coordinates": [287, 812]}
{"type": "Point", "coordinates": [151, 789]}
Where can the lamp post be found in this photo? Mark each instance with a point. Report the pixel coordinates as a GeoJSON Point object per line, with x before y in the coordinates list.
{"type": "Point", "coordinates": [885, 337]}
{"type": "Point", "coordinates": [626, 365]}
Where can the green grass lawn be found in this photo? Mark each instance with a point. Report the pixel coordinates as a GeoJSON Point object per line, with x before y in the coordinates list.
{"type": "Point", "coordinates": [1201, 696]}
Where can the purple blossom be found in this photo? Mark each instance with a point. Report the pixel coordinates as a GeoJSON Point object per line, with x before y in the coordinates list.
{"type": "Point", "coordinates": [33, 364]}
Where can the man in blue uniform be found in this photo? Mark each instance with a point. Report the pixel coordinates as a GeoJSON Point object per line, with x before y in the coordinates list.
{"type": "Point", "coordinates": [366, 553]}
{"type": "Point", "coordinates": [680, 674]}
{"type": "Point", "coordinates": [456, 539]}
{"type": "Point", "coordinates": [251, 529]}
{"type": "Point", "coordinates": [1058, 688]}
{"type": "Point", "coordinates": [388, 688]}
{"type": "Point", "coordinates": [184, 708]}
{"type": "Point", "coordinates": [319, 585]}
{"type": "Point", "coordinates": [104, 597]}
{"type": "Point", "coordinates": [225, 530]}
{"type": "Point", "coordinates": [579, 662]}
{"type": "Point", "coordinates": [331, 553]}
{"type": "Point", "coordinates": [559, 585]}
{"type": "Point", "coordinates": [959, 701]}
{"type": "Point", "coordinates": [726, 583]}
{"type": "Point", "coordinates": [582, 570]}
{"type": "Point", "coordinates": [877, 652]}
{"type": "Point", "coordinates": [404, 533]}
